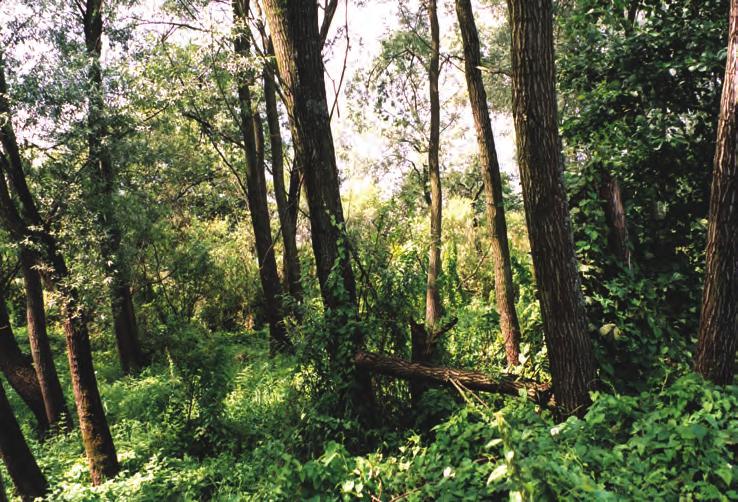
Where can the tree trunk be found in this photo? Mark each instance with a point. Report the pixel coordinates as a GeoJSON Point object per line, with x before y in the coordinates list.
{"type": "Point", "coordinates": [98, 442]}
{"type": "Point", "coordinates": [547, 214]}
{"type": "Point", "coordinates": [490, 168]}
{"type": "Point", "coordinates": [423, 338]}
{"type": "Point", "coordinates": [294, 28]}
{"type": "Point", "coordinates": [718, 332]}
{"type": "Point", "coordinates": [472, 380]}
{"type": "Point", "coordinates": [100, 164]}
{"type": "Point", "coordinates": [95, 432]}
{"type": "Point", "coordinates": [252, 136]}
{"type": "Point", "coordinates": [290, 261]}
{"type": "Point", "coordinates": [54, 403]}
{"type": "Point", "coordinates": [28, 479]}
{"type": "Point", "coordinates": [18, 370]}
{"type": "Point", "coordinates": [612, 203]}
{"type": "Point", "coordinates": [433, 298]}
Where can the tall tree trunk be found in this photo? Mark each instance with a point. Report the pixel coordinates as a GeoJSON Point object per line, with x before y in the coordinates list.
{"type": "Point", "coordinates": [290, 261]}
{"type": "Point", "coordinates": [490, 168]}
{"type": "Point", "coordinates": [718, 332]}
{"type": "Point", "coordinates": [18, 370]}
{"type": "Point", "coordinates": [433, 297]}
{"type": "Point", "coordinates": [28, 479]}
{"type": "Point", "coordinates": [423, 338]}
{"type": "Point", "coordinates": [100, 165]}
{"type": "Point", "coordinates": [294, 28]}
{"type": "Point", "coordinates": [253, 142]}
{"type": "Point", "coordinates": [547, 213]}
{"type": "Point", "coordinates": [54, 403]}
{"type": "Point", "coordinates": [29, 226]}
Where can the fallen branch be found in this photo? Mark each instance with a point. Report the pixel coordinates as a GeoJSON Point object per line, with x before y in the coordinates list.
{"type": "Point", "coordinates": [511, 385]}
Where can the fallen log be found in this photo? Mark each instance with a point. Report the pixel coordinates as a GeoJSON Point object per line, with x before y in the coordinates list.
{"type": "Point", "coordinates": [539, 393]}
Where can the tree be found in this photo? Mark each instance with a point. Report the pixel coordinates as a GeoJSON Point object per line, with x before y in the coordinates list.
{"type": "Point", "coordinates": [297, 44]}
{"type": "Point", "coordinates": [28, 479]}
{"type": "Point", "coordinates": [55, 405]}
{"type": "Point", "coordinates": [718, 331]}
{"type": "Point", "coordinates": [547, 215]}
{"type": "Point", "coordinates": [101, 168]}
{"type": "Point", "coordinates": [27, 226]}
{"type": "Point", "coordinates": [252, 137]}
{"type": "Point", "coordinates": [424, 338]}
{"type": "Point", "coordinates": [490, 170]}
{"type": "Point", "coordinates": [288, 200]}
{"type": "Point", "coordinates": [18, 369]}
{"type": "Point", "coordinates": [433, 308]}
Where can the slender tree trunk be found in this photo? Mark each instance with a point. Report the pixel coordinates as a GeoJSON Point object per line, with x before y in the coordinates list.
{"type": "Point", "coordinates": [294, 28]}
{"type": "Point", "coordinates": [28, 479]}
{"type": "Point", "coordinates": [29, 226]}
{"type": "Point", "coordinates": [101, 169]}
{"type": "Point", "coordinates": [718, 332]}
{"type": "Point", "coordinates": [490, 168]}
{"type": "Point", "coordinates": [547, 214]}
{"type": "Point", "coordinates": [612, 203]}
{"type": "Point", "coordinates": [18, 370]}
{"type": "Point", "coordinates": [54, 403]}
{"type": "Point", "coordinates": [253, 141]}
{"type": "Point", "coordinates": [291, 261]}
{"type": "Point", "coordinates": [433, 298]}
{"type": "Point", "coordinates": [423, 338]}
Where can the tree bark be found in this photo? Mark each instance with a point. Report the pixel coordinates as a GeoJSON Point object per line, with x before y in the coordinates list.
{"type": "Point", "coordinates": [718, 331]}
{"type": "Point", "coordinates": [612, 203]}
{"type": "Point", "coordinates": [100, 165]}
{"type": "Point", "coordinates": [424, 338]}
{"type": "Point", "coordinates": [437, 375]}
{"type": "Point", "coordinates": [55, 405]}
{"type": "Point", "coordinates": [18, 370]}
{"type": "Point", "coordinates": [287, 218]}
{"type": "Point", "coordinates": [433, 298]}
{"type": "Point", "coordinates": [28, 479]}
{"type": "Point", "coordinates": [547, 214]}
{"type": "Point", "coordinates": [28, 226]}
{"type": "Point", "coordinates": [252, 136]}
{"type": "Point", "coordinates": [294, 28]}
{"type": "Point", "coordinates": [490, 168]}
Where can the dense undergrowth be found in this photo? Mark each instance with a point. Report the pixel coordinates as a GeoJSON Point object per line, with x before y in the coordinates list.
{"type": "Point", "coordinates": [217, 418]}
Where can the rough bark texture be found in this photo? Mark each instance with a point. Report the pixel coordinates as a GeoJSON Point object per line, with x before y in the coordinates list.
{"type": "Point", "coordinates": [29, 226]}
{"type": "Point", "coordinates": [251, 135]}
{"type": "Point", "coordinates": [612, 203]}
{"type": "Point", "coordinates": [490, 169]}
{"type": "Point", "coordinates": [98, 442]}
{"type": "Point", "coordinates": [718, 332]}
{"type": "Point", "coordinates": [472, 380]}
{"type": "Point", "coordinates": [294, 28]}
{"type": "Point", "coordinates": [287, 218]}
{"type": "Point", "coordinates": [547, 214]}
{"type": "Point", "coordinates": [18, 370]}
{"type": "Point", "coordinates": [433, 298]}
{"type": "Point", "coordinates": [100, 164]}
{"type": "Point", "coordinates": [55, 405]}
{"type": "Point", "coordinates": [28, 479]}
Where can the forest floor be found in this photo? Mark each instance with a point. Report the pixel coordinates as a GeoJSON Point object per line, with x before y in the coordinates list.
{"type": "Point", "coordinates": [219, 419]}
